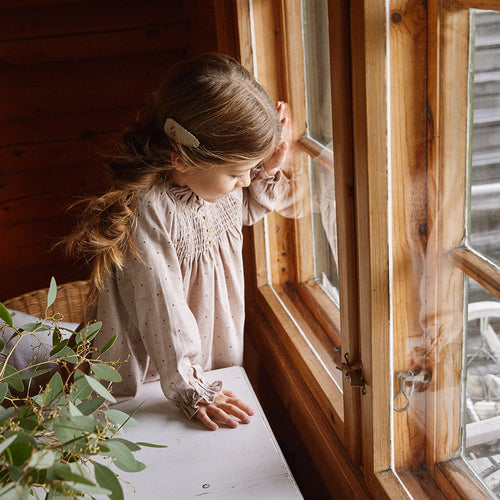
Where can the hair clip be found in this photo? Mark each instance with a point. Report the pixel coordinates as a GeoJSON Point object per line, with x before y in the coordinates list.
{"type": "Point", "coordinates": [179, 134]}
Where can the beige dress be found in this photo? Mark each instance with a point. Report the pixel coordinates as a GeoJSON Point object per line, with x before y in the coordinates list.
{"type": "Point", "coordinates": [178, 309]}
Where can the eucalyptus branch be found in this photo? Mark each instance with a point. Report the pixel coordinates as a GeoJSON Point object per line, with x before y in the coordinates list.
{"type": "Point", "coordinates": [66, 422]}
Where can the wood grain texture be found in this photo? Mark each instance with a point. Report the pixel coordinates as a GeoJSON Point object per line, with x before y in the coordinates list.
{"type": "Point", "coordinates": [448, 55]}
{"type": "Point", "coordinates": [368, 48]}
{"type": "Point", "coordinates": [477, 4]}
{"type": "Point", "coordinates": [478, 268]}
{"type": "Point", "coordinates": [344, 172]}
{"type": "Point", "coordinates": [408, 39]}
{"type": "Point", "coordinates": [337, 471]}
{"type": "Point", "coordinates": [74, 74]}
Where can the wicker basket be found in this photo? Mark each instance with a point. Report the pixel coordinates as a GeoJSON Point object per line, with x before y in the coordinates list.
{"type": "Point", "coordinates": [70, 302]}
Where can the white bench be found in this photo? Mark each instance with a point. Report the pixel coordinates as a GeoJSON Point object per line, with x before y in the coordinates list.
{"type": "Point", "coordinates": [242, 463]}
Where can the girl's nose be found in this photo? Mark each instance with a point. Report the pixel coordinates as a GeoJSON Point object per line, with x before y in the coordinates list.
{"type": "Point", "coordinates": [245, 180]}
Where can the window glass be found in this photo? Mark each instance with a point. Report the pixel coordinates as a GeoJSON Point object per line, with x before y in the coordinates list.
{"type": "Point", "coordinates": [324, 228]}
{"type": "Point", "coordinates": [317, 68]}
{"type": "Point", "coordinates": [319, 128]}
{"type": "Point", "coordinates": [481, 371]}
{"type": "Point", "coordinates": [481, 405]}
{"type": "Point", "coordinates": [484, 233]}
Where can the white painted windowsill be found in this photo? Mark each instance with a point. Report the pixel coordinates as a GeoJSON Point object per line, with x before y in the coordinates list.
{"type": "Point", "coordinates": [242, 463]}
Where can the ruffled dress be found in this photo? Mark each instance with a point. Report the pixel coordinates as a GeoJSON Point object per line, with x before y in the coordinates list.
{"type": "Point", "coordinates": [178, 306]}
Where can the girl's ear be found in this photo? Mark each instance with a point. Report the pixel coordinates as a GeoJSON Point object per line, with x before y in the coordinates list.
{"type": "Point", "coordinates": [178, 164]}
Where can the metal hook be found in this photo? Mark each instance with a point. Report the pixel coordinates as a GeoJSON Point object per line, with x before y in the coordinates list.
{"type": "Point", "coordinates": [406, 377]}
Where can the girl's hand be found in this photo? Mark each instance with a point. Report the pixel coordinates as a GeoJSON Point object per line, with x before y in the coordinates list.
{"type": "Point", "coordinates": [225, 406]}
{"type": "Point", "coordinates": [272, 164]}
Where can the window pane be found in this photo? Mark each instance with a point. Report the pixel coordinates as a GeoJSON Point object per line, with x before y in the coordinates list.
{"type": "Point", "coordinates": [481, 405]}
{"type": "Point", "coordinates": [484, 234]}
{"type": "Point", "coordinates": [317, 68]}
{"type": "Point", "coordinates": [319, 128]}
{"type": "Point", "coordinates": [324, 228]}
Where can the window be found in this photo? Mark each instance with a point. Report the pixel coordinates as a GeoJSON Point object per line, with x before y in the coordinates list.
{"type": "Point", "coordinates": [414, 199]}
{"type": "Point", "coordinates": [437, 227]}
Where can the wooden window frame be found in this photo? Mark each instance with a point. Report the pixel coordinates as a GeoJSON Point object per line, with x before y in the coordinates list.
{"type": "Point", "coordinates": [289, 318]}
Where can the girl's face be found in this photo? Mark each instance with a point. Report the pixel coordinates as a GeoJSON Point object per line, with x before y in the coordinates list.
{"type": "Point", "coordinates": [212, 184]}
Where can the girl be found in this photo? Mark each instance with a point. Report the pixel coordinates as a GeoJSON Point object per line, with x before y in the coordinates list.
{"type": "Point", "coordinates": [202, 159]}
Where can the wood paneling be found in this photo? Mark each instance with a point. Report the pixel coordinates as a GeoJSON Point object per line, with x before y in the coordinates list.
{"type": "Point", "coordinates": [74, 74]}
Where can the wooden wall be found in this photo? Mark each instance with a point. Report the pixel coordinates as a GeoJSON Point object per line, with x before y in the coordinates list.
{"type": "Point", "coordinates": [73, 73]}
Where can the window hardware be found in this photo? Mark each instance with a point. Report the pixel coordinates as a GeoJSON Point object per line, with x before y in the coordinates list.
{"type": "Point", "coordinates": [405, 377]}
{"type": "Point", "coordinates": [352, 374]}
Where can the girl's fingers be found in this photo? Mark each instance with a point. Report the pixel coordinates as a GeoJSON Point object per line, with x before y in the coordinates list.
{"type": "Point", "coordinates": [240, 414]}
{"type": "Point", "coordinates": [225, 408]}
{"type": "Point", "coordinates": [277, 159]}
{"type": "Point", "coordinates": [217, 414]}
{"type": "Point", "coordinates": [242, 406]}
{"type": "Point", "coordinates": [202, 416]}
{"type": "Point", "coordinates": [282, 108]}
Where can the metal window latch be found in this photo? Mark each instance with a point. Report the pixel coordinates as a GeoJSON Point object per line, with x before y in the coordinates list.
{"type": "Point", "coordinates": [352, 374]}
{"type": "Point", "coordinates": [404, 377]}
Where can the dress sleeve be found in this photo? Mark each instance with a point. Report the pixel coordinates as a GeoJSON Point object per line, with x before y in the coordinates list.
{"type": "Point", "coordinates": [153, 286]}
{"type": "Point", "coordinates": [260, 197]}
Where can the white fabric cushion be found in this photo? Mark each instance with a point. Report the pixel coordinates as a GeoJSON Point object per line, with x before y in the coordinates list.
{"type": "Point", "coordinates": [29, 346]}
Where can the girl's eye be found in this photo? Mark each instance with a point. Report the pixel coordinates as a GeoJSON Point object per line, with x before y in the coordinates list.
{"type": "Point", "coordinates": [236, 176]}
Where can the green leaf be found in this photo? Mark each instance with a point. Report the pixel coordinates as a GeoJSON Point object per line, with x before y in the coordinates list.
{"type": "Point", "coordinates": [51, 296]}
{"type": "Point", "coordinates": [67, 354]}
{"type": "Point", "coordinates": [151, 445]}
{"type": "Point", "coordinates": [5, 444]}
{"type": "Point", "coordinates": [7, 487]}
{"type": "Point", "coordinates": [65, 430]}
{"type": "Point", "coordinates": [14, 491]}
{"type": "Point", "coordinates": [42, 459]}
{"type": "Point", "coordinates": [129, 444]}
{"type": "Point", "coordinates": [20, 452]}
{"type": "Point", "coordinates": [54, 388]}
{"type": "Point", "coordinates": [2, 345]}
{"type": "Point", "coordinates": [4, 388]}
{"type": "Point", "coordinates": [91, 490]}
{"type": "Point", "coordinates": [91, 405]}
{"type": "Point", "coordinates": [74, 410]}
{"type": "Point", "coordinates": [106, 372]}
{"type": "Point", "coordinates": [22, 437]}
{"type": "Point", "coordinates": [32, 373]}
{"type": "Point", "coordinates": [108, 344]}
{"type": "Point", "coordinates": [124, 459]}
{"type": "Point", "coordinates": [85, 423]}
{"type": "Point", "coordinates": [11, 376]}
{"type": "Point", "coordinates": [80, 389]}
{"type": "Point", "coordinates": [59, 347]}
{"type": "Point", "coordinates": [120, 418]}
{"type": "Point", "coordinates": [87, 333]}
{"type": "Point", "coordinates": [107, 479]}
{"type": "Point", "coordinates": [36, 372]}
{"type": "Point", "coordinates": [5, 315]}
{"type": "Point", "coordinates": [5, 413]}
{"type": "Point", "coordinates": [67, 475]}
{"type": "Point", "coordinates": [28, 424]}
{"type": "Point", "coordinates": [99, 388]}
{"type": "Point", "coordinates": [56, 336]}
{"type": "Point", "coordinates": [32, 327]}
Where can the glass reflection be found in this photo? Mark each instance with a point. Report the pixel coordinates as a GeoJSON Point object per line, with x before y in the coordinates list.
{"type": "Point", "coordinates": [485, 134]}
{"type": "Point", "coordinates": [481, 401]}
{"type": "Point", "coordinates": [319, 128]}
{"type": "Point", "coordinates": [317, 70]}
{"type": "Point", "coordinates": [481, 415]}
{"type": "Point", "coordinates": [324, 228]}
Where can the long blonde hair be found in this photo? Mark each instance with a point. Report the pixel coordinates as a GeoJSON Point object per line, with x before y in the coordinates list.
{"type": "Point", "coordinates": [215, 99]}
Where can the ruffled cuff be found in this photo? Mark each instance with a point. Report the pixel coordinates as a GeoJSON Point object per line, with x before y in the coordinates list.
{"type": "Point", "coordinates": [264, 187]}
{"type": "Point", "coordinates": [205, 392]}
{"type": "Point", "coordinates": [260, 173]}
